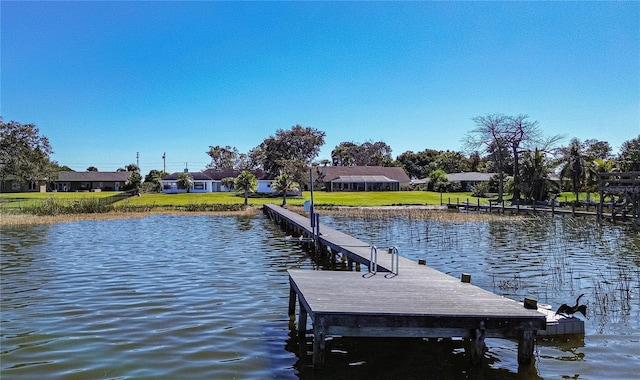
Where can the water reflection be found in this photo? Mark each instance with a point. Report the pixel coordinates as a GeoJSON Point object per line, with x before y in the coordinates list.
{"type": "Point", "coordinates": [207, 296]}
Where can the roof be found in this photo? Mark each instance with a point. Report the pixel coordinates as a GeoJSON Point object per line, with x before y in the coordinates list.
{"type": "Point", "coordinates": [217, 175]}
{"type": "Point", "coordinates": [363, 178]}
{"type": "Point", "coordinates": [197, 176]}
{"type": "Point", "coordinates": [385, 174]}
{"type": "Point", "coordinates": [66, 176]}
{"type": "Point", "coordinates": [469, 177]}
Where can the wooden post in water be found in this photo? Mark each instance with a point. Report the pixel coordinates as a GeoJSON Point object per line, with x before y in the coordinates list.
{"type": "Point", "coordinates": [318, 343]}
{"type": "Point", "coordinates": [525, 346]}
{"type": "Point", "coordinates": [302, 331]}
{"type": "Point", "coordinates": [477, 348]}
{"type": "Point", "coordinates": [292, 306]}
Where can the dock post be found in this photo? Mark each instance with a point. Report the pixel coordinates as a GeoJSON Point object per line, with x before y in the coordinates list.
{"type": "Point", "coordinates": [292, 306]}
{"type": "Point", "coordinates": [525, 346]}
{"type": "Point", "coordinates": [318, 343]}
{"type": "Point", "coordinates": [302, 331]}
{"type": "Point", "coordinates": [302, 322]}
{"type": "Point", "coordinates": [478, 345]}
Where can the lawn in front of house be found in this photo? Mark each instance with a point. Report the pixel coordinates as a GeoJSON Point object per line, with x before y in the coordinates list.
{"type": "Point", "coordinates": [321, 198]}
{"type": "Point", "coordinates": [16, 201]}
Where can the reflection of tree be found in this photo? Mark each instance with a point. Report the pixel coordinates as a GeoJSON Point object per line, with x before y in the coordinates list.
{"type": "Point", "coordinates": [244, 223]}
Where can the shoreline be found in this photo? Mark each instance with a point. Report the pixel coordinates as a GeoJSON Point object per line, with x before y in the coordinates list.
{"type": "Point", "coordinates": [10, 220]}
{"type": "Point", "coordinates": [421, 212]}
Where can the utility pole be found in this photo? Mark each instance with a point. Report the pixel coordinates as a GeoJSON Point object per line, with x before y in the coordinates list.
{"type": "Point", "coordinates": [164, 162]}
{"type": "Point", "coordinates": [138, 159]}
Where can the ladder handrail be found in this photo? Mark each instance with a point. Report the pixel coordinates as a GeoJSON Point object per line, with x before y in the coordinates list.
{"type": "Point", "coordinates": [373, 260]}
{"type": "Point", "coordinates": [395, 258]}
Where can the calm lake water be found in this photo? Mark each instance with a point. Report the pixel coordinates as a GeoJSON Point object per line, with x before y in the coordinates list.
{"type": "Point", "coordinates": [195, 297]}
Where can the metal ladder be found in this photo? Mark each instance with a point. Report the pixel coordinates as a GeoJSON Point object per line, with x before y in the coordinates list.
{"type": "Point", "coordinates": [373, 260]}
{"type": "Point", "coordinates": [395, 261]}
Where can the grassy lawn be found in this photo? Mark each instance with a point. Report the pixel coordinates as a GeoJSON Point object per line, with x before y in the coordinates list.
{"type": "Point", "coordinates": [15, 201]}
{"type": "Point", "coordinates": [20, 200]}
{"type": "Point", "coordinates": [320, 199]}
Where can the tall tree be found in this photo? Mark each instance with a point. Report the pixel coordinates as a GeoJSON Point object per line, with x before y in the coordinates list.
{"type": "Point", "coordinates": [132, 168]}
{"type": "Point", "coordinates": [498, 134]}
{"type": "Point", "coordinates": [574, 165]}
{"type": "Point", "coordinates": [283, 183]}
{"type": "Point", "coordinates": [345, 154]}
{"type": "Point", "coordinates": [535, 169]}
{"type": "Point", "coordinates": [153, 180]}
{"type": "Point", "coordinates": [450, 162]}
{"type": "Point", "coordinates": [418, 165]}
{"type": "Point", "coordinates": [24, 153]}
{"type": "Point", "coordinates": [594, 149]}
{"type": "Point", "coordinates": [629, 157]}
{"type": "Point", "coordinates": [489, 136]}
{"type": "Point", "coordinates": [519, 131]}
{"type": "Point", "coordinates": [366, 154]}
{"type": "Point", "coordinates": [246, 182]}
{"type": "Point", "coordinates": [293, 150]}
{"type": "Point", "coordinates": [92, 169]}
{"type": "Point", "coordinates": [134, 182]}
{"type": "Point", "coordinates": [223, 157]}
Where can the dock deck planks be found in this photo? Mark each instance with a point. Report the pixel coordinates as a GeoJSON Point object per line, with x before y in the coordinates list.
{"type": "Point", "coordinates": [417, 302]}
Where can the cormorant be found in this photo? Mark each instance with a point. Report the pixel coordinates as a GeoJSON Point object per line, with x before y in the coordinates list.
{"type": "Point", "coordinates": [570, 310]}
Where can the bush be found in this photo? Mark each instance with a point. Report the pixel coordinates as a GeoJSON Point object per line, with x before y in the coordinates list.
{"type": "Point", "coordinates": [480, 189]}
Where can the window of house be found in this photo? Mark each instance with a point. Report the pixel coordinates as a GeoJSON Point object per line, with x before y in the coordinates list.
{"type": "Point", "coordinates": [198, 185]}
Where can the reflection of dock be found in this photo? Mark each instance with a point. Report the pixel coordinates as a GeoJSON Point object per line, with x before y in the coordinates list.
{"type": "Point", "coordinates": [396, 298]}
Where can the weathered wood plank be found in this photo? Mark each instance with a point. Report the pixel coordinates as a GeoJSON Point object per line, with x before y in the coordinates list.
{"type": "Point", "coordinates": [419, 302]}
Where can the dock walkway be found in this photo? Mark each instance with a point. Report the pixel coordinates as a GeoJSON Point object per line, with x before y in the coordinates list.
{"type": "Point", "coordinates": [409, 300]}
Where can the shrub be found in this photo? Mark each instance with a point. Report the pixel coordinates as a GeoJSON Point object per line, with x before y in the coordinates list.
{"type": "Point", "coordinates": [480, 189]}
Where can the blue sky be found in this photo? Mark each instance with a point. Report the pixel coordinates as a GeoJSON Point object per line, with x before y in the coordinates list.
{"type": "Point", "coordinates": [105, 80]}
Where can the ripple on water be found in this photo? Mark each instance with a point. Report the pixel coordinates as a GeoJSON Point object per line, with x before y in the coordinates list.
{"type": "Point", "coordinates": [207, 296]}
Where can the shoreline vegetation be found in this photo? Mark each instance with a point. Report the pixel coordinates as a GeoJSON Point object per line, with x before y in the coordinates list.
{"type": "Point", "coordinates": [47, 208]}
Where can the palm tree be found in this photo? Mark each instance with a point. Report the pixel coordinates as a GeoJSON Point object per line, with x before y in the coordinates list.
{"type": "Point", "coordinates": [185, 181]}
{"type": "Point", "coordinates": [534, 172]}
{"type": "Point", "coordinates": [284, 183]}
{"type": "Point", "coordinates": [597, 166]}
{"type": "Point", "coordinates": [575, 166]}
{"type": "Point", "coordinates": [246, 182]}
{"type": "Point", "coordinates": [228, 182]}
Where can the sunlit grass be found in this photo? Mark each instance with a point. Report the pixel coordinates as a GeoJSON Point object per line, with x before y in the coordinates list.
{"type": "Point", "coordinates": [320, 199]}
{"type": "Point", "coordinates": [17, 201]}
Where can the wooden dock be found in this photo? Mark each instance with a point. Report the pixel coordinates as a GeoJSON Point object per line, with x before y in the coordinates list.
{"type": "Point", "coordinates": [397, 297]}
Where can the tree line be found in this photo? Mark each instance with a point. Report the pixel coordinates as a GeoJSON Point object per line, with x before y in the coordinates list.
{"type": "Point", "coordinates": [513, 147]}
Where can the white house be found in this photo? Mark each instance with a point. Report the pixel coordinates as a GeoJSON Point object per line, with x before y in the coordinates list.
{"type": "Point", "coordinates": [210, 181]}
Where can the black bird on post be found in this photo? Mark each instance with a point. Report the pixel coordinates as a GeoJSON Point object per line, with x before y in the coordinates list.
{"type": "Point", "coordinates": [570, 310]}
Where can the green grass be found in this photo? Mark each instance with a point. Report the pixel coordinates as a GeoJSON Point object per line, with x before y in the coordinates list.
{"type": "Point", "coordinates": [320, 199]}
{"type": "Point", "coordinates": [15, 202]}
{"type": "Point", "coordinates": [21, 200]}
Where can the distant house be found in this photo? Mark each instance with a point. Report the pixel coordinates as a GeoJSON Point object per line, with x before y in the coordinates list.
{"type": "Point", "coordinates": [11, 184]}
{"type": "Point", "coordinates": [91, 181]}
{"type": "Point", "coordinates": [469, 179]}
{"type": "Point", "coordinates": [361, 178]}
{"type": "Point", "coordinates": [210, 181]}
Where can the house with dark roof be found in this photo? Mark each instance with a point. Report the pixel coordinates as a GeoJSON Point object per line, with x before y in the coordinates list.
{"type": "Point", "coordinates": [210, 181]}
{"type": "Point", "coordinates": [91, 181]}
{"type": "Point", "coordinates": [361, 178]}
